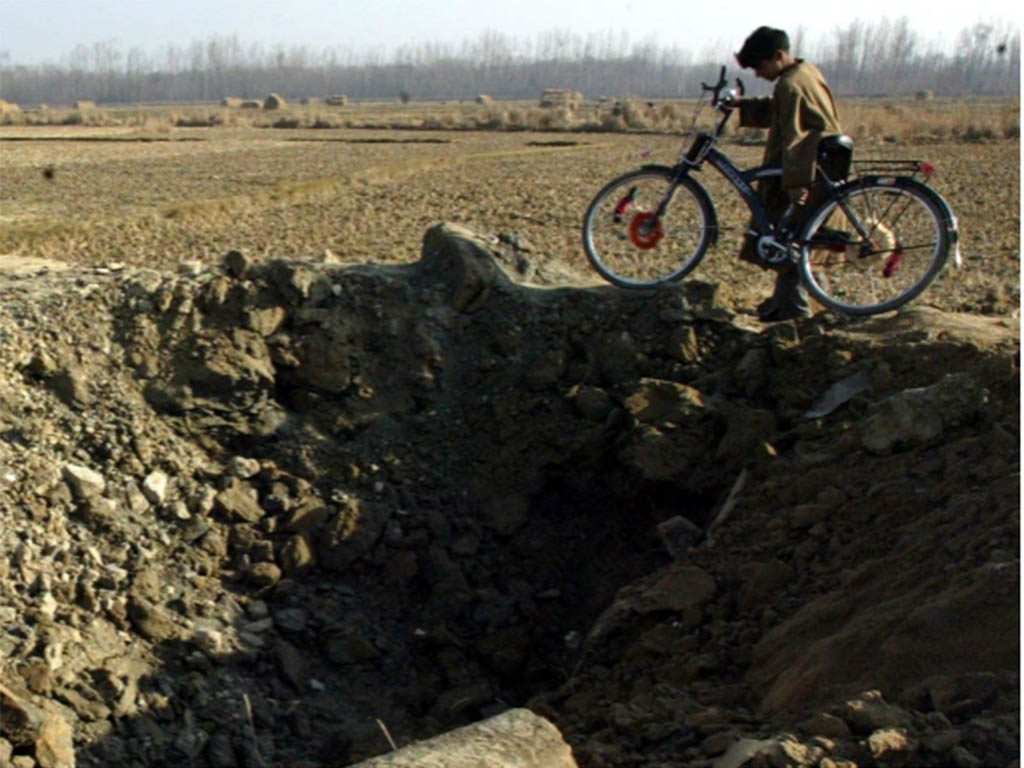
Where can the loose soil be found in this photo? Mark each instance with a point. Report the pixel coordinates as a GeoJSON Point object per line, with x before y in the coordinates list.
{"type": "Point", "coordinates": [255, 504]}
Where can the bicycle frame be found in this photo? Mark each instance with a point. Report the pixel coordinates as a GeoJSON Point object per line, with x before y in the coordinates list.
{"type": "Point", "coordinates": [743, 182]}
{"type": "Point", "coordinates": [703, 150]}
{"type": "Point", "coordinates": [852, 230]}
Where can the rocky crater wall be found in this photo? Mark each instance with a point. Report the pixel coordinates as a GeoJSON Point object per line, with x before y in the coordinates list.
{"type": "Point", "coordinates": [287, 511]}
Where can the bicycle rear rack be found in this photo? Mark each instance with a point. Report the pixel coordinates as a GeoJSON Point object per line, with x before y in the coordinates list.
{"type": "Point", "coordinates": [894, 168]}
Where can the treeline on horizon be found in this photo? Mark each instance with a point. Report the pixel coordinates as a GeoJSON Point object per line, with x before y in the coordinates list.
{"type": "Point", "coordinates": [881, 58]}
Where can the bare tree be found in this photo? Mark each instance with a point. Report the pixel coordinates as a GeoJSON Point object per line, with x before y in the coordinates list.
{"type": "Point", "coordinates": [883, 56]}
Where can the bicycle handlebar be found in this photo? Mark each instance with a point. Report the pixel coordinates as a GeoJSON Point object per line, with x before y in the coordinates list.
{"type": "Point", "coordinates": [716, 89]}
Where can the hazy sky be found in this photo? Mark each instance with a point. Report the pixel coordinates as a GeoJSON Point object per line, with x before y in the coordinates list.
{"type": "Point", "coordinates": [36, 31]}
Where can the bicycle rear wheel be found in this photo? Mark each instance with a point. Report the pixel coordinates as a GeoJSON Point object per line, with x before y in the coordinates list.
{"type": "Point", "coordinates": [630, 247]}
{"type": "Point", "coordinates": [906, 246]}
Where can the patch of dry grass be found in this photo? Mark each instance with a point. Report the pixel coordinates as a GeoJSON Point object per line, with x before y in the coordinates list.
{"type": "Point", "coordinates": [931, 121]}
{"type": "Point", "coordinates": [905, 120]}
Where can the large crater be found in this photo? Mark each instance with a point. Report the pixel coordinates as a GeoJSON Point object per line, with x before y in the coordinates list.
{"type": "Point", "coordinates": [280, 512]}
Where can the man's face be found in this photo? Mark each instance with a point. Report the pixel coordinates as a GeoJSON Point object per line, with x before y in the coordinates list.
{"type": "Point", "coordinates": [769, 69]}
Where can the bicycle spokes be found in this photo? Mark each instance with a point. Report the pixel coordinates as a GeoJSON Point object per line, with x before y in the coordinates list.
{"type": "Point", "coordinates": [895, 243]}
{"type": "Point", "coordinates": [647, 227]}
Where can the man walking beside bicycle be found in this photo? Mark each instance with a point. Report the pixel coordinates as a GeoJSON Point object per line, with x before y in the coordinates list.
{"type": "Point", "coordinates": [798, 114]}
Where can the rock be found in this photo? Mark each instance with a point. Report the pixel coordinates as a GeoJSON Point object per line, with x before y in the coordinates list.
{"type": "Point", "coordinates": [745, 750]}
{"type": "Point", "coordinates": [677, 588]}
{"type": "Point", "coordinates": [653, 401]}
{"type": "Point", "coordinates": [236, 263]}
{"type": "Point", "coordinates": [678, 534]}
{"type": "Point", "coordinates": [293, 663]}
{"type": "Point", "coordinates": [291, 619]}
{"type": "Point", "coordinates": [460, 259]}
{"type": "Point", "coordinates": [593, 403]}
{"type": "Point", "coordinates": [324, 362]}
{"type": "Point", "coordinates": [72, 386]}
{"type": "Point", "coordinates": [825, 724]}
{"type": "Point", "coordinates": [870, 712]}
{"type": "Point", "coordinates": [190, 267]}
{"type": "Point", "coordinates": [760, 581]}
{"type": "Point", "coordinates": [243, 467]}
{"type": "Point", "coordinates": [299, 284]}
{"type": "Point", "coordinates": [945, 691]}
{"type": "Point", "coordinates": [666, 454]}
{"type": "Point", "coordinates": [352, 533]}
{"type": "Point", "coordinates": [683, 344]}
{"type": "Point", "coordinates": [154, 487]}
{"type": "Point", "coordinates": [506, 514]}
{"type": "Point", "coordinates": [296, 556]}
{"type": "Point", "coordinates": [264, 574]}
{"type": "Point", "coordinates": [84, 482]}
{"type": "Point", "coordinates": [307, 516]}
{"type": "Point", "coordinates": [237, 501]}
{"type": "Point", "coordinates": [918, 416]}
{"type": "Point", "coordinates": [747, 431]}
{"type": "Point", "coordinates": [151, 621]}
{"type": "Point", "coordinates": [680, 587]}
{"type": "Point", "coordinates": [517, 738]}
{"type": "Point", "coordinates": [266, 321]}
{"type": "Point", "coordinates": [36, 725]}
{"type": "Point", "coordinates": [892, 746]}
{"type": "Point", "coordinates": [964, 758]}
{"type": "Point", "coordinates": [350, 647]}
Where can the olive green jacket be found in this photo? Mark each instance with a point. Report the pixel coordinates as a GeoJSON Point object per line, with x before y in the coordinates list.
{"type": "Point", "coordinates": [799, 113]}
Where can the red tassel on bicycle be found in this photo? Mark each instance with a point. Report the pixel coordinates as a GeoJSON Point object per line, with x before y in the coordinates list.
{"type": "Point", "coordinates": [892, 264]}
{"type": "Point", "coordinates": [623, 205]}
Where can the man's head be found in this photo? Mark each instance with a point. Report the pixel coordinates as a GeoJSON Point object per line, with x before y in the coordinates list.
{"type": "Point", "coordinates": [766, 51]}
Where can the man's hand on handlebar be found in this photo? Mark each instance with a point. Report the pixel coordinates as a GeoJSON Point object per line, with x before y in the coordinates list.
{"type": "Point", "coordinates": [729, 98]}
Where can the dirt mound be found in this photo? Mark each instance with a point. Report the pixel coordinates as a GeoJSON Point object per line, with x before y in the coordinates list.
{"type": "Point", "coordinates": [253, 513]}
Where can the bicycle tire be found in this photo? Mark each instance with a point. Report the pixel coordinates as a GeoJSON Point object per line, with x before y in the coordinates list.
{"type": "Point", "coordinates": [629, 254]}
{"type": "Point", "coordinates": [909, 241]}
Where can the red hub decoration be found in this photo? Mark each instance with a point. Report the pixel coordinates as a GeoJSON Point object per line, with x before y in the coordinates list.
{"type": "Point", "coordinates": [643, 234]}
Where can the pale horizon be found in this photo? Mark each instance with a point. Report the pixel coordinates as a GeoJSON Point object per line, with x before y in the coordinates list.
{"type": "Point", "coordinates": [48, 31]}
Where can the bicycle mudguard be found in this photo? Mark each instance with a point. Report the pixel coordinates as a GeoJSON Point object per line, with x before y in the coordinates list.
{"type": "Point", "coordinates": [952, 227]}
{"type": "Point", "coordinates": [698, 189]}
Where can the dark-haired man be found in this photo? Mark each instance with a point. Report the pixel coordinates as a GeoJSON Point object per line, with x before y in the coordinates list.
{"type": "Point", "coordinates": [799, 113]}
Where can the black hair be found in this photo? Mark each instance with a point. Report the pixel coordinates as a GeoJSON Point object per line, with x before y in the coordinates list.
{"type": "Point", "coordinates": [761, 45]}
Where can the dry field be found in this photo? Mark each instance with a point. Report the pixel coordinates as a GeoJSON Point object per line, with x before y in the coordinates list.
{"type": "Point", "coordinates": [260, 511]}
{"type": "Point", "coordinates": [131, 186]}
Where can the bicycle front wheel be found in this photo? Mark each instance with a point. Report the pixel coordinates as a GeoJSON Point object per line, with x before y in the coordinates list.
{"type": "Point", "coordinates": [875, 247]}
{"type": "Point", "coordinates": [632, 247]}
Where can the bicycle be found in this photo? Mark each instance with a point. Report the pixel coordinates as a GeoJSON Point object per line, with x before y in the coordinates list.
{"type": "Point", "coordinates": [869, 245]}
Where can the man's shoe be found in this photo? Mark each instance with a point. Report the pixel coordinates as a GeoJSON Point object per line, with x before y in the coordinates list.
{"type": "Point", "coordinates": [770, 311]}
